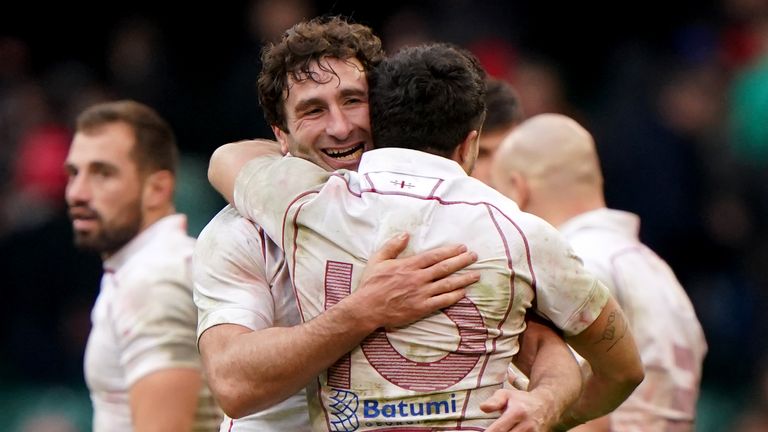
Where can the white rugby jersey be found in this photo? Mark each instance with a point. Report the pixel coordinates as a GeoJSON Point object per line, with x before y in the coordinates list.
{"type": "Point", "coordinates": [435, 372]}
{"type": "Point", "coordinates": [668, 334]}
{"type": "Point", "coordinates": [144, 321]}
{"type": "Point", "coordinates": [240, 278]}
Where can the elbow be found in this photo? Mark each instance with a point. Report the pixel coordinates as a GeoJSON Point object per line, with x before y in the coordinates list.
{"type": "Point", "coordinates": [234, 402]}
{"type": "Point", "coordinates": [636, 376]}
{"type": "Point", "coordinates": [217, 159]}
{"type": "Point", "coordinates": [238, 397]}
{"type": "Point", "coordinates": [232, 408]}
{"type": "Point", "coordinates": [630, 378]}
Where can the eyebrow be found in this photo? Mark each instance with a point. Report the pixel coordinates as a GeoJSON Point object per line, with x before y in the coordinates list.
{"type": "Point", "coordinates": [346, 92]}
{"type": "Point", "coordinates": [91, 166]}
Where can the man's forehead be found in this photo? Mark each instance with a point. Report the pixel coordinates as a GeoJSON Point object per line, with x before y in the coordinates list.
{"type": "Point", "coordinates": [327, 69]}
{"type": "Point", "coordinates": [104, 146]}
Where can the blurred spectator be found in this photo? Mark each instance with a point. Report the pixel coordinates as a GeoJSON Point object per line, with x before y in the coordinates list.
{"type": "Point", "coordinates": [38, 181]}
{"type": "Point", "coordinates": [137, 63]}
{"type": "Point", "coordinates": [541, 86]}
{"type": "Point", "coordinates": [237, 114]}
{"type": "Point", "coordinates": [407, 26]}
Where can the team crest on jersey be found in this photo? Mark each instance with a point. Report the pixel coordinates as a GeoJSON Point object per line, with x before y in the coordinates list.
{"type": "Point", "coordinates": [343, 411]}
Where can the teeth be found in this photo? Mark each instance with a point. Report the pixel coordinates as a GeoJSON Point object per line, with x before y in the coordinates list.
{"type": "Point", "coordinates": [333, 152]}
{"type": "Point", "coordinates": [353, 156]}
{"type": "Point", "coordinates": [347, 154]}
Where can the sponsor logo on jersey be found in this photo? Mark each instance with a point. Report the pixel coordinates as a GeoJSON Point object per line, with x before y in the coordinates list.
{"type": "Point", "coordinates": [343, 411]}
{"type": "Point", "coordinates": [344, 405]}
{"type": "Point", "coordinates": [373, 409]}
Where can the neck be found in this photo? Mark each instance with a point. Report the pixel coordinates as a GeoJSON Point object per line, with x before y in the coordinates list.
{"type": "Point", "coordinates": [559, 210]}
{"type": "Point", "coordinates": [152, 216]}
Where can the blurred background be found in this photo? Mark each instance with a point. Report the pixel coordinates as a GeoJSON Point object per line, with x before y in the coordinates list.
{"type": "Point", "coordinates": [676, 94]}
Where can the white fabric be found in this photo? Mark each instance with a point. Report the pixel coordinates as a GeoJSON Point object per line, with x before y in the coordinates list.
{"type": "Point", "coordinates": [664, 324]}
{"type": "Point", "coordinates": [439, 369]}
{"type": "Point", "coordinates": [240, 278]}
{"type": "Point", "coordinates": [144, 321]}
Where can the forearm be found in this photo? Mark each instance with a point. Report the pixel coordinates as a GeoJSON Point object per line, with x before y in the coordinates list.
{"type": "Point", "coordinates": [252, 370]}
{"type": "Point", "coordinates": [227, 160]}
{"type": "Point", "coordinates": [600, 397]}
{"type": "Point", "coordinates": [555, 376]}
{"type": "Point", "coordinates": [165, 400]}
{"type": "Point", "coordinates": [609, 347]}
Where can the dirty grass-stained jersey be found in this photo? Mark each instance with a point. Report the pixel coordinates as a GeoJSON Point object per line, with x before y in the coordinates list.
{"type": "Point", "coordinates": [436, 371]}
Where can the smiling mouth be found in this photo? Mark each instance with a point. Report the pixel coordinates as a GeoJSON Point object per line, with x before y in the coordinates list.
{"type": "Point", "coordinates": [349, 154]}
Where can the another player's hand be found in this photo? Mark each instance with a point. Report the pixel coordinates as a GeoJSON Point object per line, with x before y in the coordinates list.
{"type": "Point", "coordinates": [397, 291]}
{"type": "Point", "coordinates": [521, 411]}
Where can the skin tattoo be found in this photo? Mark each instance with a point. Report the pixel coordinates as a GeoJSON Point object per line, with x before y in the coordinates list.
{"type": "Point", "coordinates": [610, 330]}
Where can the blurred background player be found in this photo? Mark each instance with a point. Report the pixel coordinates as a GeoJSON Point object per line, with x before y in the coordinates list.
{"type": "Point", "coordinates": [550, 167]}
{"type": "Point", "coordinates": [141, 362]}
{"type": "Point", "coordinates": [504, 112]}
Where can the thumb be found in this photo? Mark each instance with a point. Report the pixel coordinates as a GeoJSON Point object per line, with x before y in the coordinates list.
{"type": "Point", "coordinates": [390, 249]}
{"type": "Point", "coordinates": [497, 402]}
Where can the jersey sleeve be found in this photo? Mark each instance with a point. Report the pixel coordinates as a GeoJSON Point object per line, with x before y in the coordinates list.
{"type": "Point", "coordinates": [266, 187]}
{"type": "Point", "coordinates": [155, 325]}
{"type": "Point", "coordinates": [566, 293]}
{"type": "Point", "coordinates": [231, 285]}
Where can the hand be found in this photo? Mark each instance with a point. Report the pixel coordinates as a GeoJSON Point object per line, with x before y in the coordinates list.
{"type": "Point", "coordinates": [394, 292]}
{"type": "Point", "coordinates": [522, 412]}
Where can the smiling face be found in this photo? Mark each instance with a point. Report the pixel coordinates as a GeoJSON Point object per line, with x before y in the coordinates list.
{"type": "Point", "coordinates": [327, 117]}
{"type": "Point", "coordinates": [104, 188]}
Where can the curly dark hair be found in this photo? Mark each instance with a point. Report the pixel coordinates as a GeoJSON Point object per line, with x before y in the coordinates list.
{"type": "Point", "coordinates": [427, 97]}
{"type": "Point", "coordinates": [305, 44]}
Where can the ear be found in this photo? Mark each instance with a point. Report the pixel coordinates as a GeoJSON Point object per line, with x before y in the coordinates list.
{"type": "Point", "coordinates": [158, 189]}
{"type": "Point", "coordinates": [280, 136]}
{"type": "Point", "coordinates": [518, 189]}
{"type": "Point", "coordinates": [466, 152]}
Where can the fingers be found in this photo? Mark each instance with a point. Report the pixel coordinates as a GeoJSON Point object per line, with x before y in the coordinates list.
{"type": "Point", "coordinates": [431, 257]}
{"type": "Point", "coordinates": [390, 249]}
{"type": "Point", "coordinates": [497, 402]}
{"type": "Point", "coordinates": [449, 290]}
{"type": "Point", "coordinates": [452, 283]}
{"type": "Point", "coordinates": [451, 265]}
{"type": "Point", "coordinates": [442, 301]}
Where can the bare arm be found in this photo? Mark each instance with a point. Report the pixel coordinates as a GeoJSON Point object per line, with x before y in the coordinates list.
{"type": "Point", "coordinates": [227, 160]}
{"type": "Point", "coordinates": [555, 383]}
{"type": "Point", "coordinates": [165, 400]}
{"type": "Point", "coordinates": [607, 344]}
{"type": "Point", "coordinates": [280, 361]}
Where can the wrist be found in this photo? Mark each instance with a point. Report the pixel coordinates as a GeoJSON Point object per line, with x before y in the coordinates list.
{"type": "Point", "coordinates": [358, 317]}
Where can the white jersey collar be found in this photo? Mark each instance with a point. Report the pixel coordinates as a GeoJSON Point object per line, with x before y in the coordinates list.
{"type": "Point", "coordinates": [616, 220]}
{"type": "Point", "coordinates": [409, 161]}
{"type": "Point", "coordinates": [168, 223]}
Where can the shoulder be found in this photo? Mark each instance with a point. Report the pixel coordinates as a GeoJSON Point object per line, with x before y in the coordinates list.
{"type": "Point", "coordinates": [165, 260]}
{"type": "Point", "coordinates": [228, 228]}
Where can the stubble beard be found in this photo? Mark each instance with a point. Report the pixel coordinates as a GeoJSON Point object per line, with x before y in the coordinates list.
{"type": "Point", "coordinates": [109, 239]}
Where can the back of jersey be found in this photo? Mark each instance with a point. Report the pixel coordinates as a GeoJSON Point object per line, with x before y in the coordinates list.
{"type": "Point", "coordinates": [436, 371]}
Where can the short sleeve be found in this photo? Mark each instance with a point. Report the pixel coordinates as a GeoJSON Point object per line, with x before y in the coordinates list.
{"type": "Point", "coordinates": [156, 327]}
{"type": "Point", "coordinates": [231, 285]}
{"type": "Point", "coordinates": [266, 187]}
{"type": "Point", "coordinates": [566, 293]}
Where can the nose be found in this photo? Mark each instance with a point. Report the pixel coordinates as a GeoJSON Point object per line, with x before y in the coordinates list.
{"type": "Point", "coordinates": [77, 191]}
{"type": "Point", "coordinates": [339, 125]}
